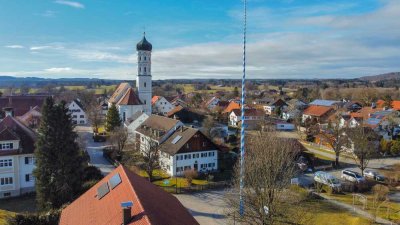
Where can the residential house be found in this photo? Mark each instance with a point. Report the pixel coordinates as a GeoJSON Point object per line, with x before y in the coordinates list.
{"type": "Point", "coordinates": [22, 104]}
{"type": "Point", "coordinates": [17, 144]}
{"type": "Point", "coordinates": [77, 112]}
{"type": "Point", "coordinates": [123, 197]}
{"type": "Point", "coordinates": [253, 118]}
{"type": "Point", "coordinates": [186, 115]}
{"type": "Point", "coordinates": [395, 105]}
{"type": "Point", "coordinates": [31, 118]}
{"type": "Point", "coordinates": [263, 101]}
{"type": "Point", "coordinates": [232, 105]}
{"type": "Point", "coordinates": [320, 113]}
{"type": "Point", "coordinates": [160, 105]}
{"type": "Point", "coordinates": [352, 106]}
{"type": "Point", "coordinates": [212, 103]}
{"type": "Point", "coordinates": [327, 103]}
{"type": "Point", "coordinates": [188, 148]}
{"type": "Point", "coordinates": [178, 101]}
{"type": "Point", "coordinates": [134, 122]}
{"type": "Point", "coordinates": [270, 108]}
{"type": "Point", "coordinates": [296, 104]}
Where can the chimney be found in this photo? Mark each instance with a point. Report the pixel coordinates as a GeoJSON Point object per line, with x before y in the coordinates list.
{"type": "Point", "coordinates": [181, 128]}
{"type": "Point", "coordinates": [126, 212]}
{"type": "Point", "coordinates": [8, 111]}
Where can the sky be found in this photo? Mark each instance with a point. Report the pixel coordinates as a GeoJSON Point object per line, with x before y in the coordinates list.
{"type": "Point", "coordinates": [287, 39]}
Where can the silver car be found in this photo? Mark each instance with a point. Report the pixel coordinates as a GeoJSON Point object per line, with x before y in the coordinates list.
{"type": "Point", "coordinates": [374, 175]}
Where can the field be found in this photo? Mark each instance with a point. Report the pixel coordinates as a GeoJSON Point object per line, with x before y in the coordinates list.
{"type": "Point", "coordinates": [187, 88]}
{"type": "Point", "coordinates": [97, 90]}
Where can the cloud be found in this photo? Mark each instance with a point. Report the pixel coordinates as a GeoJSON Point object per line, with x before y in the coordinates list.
{"type": "Point", "coordinates": [58, 69]}
{"type": "Point", "coordinates": [48, 13]}
{"type": "Point", "coordinates": [14, 46]}
{"type": "Point", "coordinates": [73, 4]}
{"type": "Point", "coordinates": [46, 47]}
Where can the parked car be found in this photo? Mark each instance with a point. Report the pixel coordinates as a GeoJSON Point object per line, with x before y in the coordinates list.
{"type": "Point", "coordinates": [328, 179]}
{"type": "Point", "coordinates": [374, 175]}
{"type": "Point", "coordinates": [99, 137]}
{"type": "Point", "coordinates": [352, 176]}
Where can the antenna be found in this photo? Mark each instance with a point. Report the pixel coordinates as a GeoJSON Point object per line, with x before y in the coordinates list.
{"type": "Point", "coordinates": [242, 133]}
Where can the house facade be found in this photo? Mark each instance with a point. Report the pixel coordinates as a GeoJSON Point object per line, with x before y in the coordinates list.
{"type": "Point", "coordinates": [78, 115]}
{"type": "Point", "coordinates": [212, 103]}
{"type": "Point", "coordinates": [16, 158]}
{"type": "Point", "coordinates": [252, 117]}
{"type": "Point", "coordinates": [160, 105]}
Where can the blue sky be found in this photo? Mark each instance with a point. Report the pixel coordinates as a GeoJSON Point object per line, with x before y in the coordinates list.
{"type": "Point", "coordinates": [199, 38]}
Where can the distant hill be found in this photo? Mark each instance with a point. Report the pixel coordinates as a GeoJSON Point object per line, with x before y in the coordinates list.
{"type": "Point", "coordinates": [382, 77]}
{"type": "Point", "coordinates": [7, 81]}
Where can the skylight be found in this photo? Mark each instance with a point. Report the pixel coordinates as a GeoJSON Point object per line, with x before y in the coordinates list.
{"type": "Point", "coordinates": [176, 139]}
{"type": "Point", "coordinates": [102, 191]}
{"type": "Point", "coordinates": [114, 181]}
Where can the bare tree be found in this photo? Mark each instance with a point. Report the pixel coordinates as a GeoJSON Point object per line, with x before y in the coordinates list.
{"type": "Point", "coordinates": [335, 135]}
{"type": "Point", "coordinates": [119, 138]}
{"type": "Point", "coordinates": [364, 150]}
{"type": "Point", "coordinates": [95, 116]}
{"type": "Point", "coordinates": [269, 167]}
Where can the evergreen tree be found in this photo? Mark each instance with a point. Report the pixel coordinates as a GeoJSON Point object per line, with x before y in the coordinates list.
{"type": "Point", "coordinates": [113, 119]}
{"type": "Point", "coordinates": [59, 162]}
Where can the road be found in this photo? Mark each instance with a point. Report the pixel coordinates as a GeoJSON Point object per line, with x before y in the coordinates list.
{"type": "Point", "coordinates": [94, 149]}
{"type": "Point", "coordinates": [206, 207]}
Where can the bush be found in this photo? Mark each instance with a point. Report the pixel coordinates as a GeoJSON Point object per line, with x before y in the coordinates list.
{"type": "Point", "coordinates": [190, 175]}
{"type": "Point", "coordinates": [49, 218]}
{"type": "Point", "coordinates": [92, 173]}
{"type": "Point", "coordinates": [395, 149]}
{"type": "Point", "coordinates": [380, 192]}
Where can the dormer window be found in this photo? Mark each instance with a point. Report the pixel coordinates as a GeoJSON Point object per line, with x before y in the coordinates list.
{"type": "Point", "coordinates": [7, 146]}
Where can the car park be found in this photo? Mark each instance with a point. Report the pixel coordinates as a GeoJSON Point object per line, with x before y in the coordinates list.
{"type": "Point", "coordinates": [352, 176]}
{"type": "Point", "coordinates": [373, 175]}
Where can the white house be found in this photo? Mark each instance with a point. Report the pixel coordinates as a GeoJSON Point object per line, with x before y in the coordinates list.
{"type": "Point", "coordinates": [78, 115]}
{"type": "Point", "coordinates": [182, 148]}
{"type": "Point", "coordinates": [135, 121]}
{"type": "Point", "coordinates": [17, 143]}
{"type": "Point", "coordinates": [160, 105]}
{"type": "Point", "coordinates": [186, 149]}
{"type": "Point", "coordinates": [127, 100]}
{"type": "Point", "coordinates": [252, 117]}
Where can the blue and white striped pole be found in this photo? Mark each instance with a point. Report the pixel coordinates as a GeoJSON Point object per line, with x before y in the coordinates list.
{"type": "Point", "coordinates": [242, 133]}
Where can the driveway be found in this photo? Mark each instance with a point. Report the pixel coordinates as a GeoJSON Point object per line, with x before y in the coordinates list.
{"type": "Point", "coordinates": [206, 207]}
{"type": "Point", "coordinates": [94, 149]}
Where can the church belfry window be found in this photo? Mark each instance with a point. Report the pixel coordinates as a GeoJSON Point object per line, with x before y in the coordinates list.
{"type": "Point", "coordinates": [145, 69]}
{"type": "Point", "coordinates": [144, 84]}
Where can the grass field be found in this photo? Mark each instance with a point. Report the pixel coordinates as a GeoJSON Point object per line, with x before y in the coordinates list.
{"type": "Point", "coordinates": [97, 90]}
{"type": "Point", "coordinates": [187, 88]}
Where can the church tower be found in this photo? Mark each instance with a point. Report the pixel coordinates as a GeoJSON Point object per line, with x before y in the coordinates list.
{"type": "Point", "coordinates": [143, 80]}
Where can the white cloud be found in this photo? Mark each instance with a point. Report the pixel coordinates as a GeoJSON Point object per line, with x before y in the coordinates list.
{"type": "Point", "coordinates": [14, 46]}
{"type": "Point", "coordinates": [73, 4]}
{"type": "Point", "coordinates": [58, 69]}
{"type": "Point", "coordinates": [47, 13]}
{"type": "Point", "coordinates": [46, 47]}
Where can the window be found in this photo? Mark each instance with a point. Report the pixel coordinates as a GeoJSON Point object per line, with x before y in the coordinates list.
{"type": "Point", "coordinates": [144, 84]}
{"type": "Point", "coordinates": [6, 180]}
{"type": "Point", "coordinates": [29, 177]}
{"type": "Point", "coordinates": [145, 58]}
{"type": "Point", "coordinates": [6, 146]}
{"type": "Point", "coordinates": [140, 69]}
{"type": "Point", "coordinates": [187, 168]}
{"type": "Point", "coordinates": [82, 116]}
{"type": "Point", "coordinates": [29, 160]}
{"type": "Point", "coordinates": [74, 116]}
{"type": "Point", "coordinates": [210, 154]}
{"type": "Point", "coordinates": [7, 194]}
{"type": "Point", "coordinates": [5, 162]}
{"type": "Point", "coordinates": [204, 154]}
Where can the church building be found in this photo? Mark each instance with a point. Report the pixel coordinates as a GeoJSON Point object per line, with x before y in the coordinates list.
{"type": "Point", "coordinates": [129, 101]}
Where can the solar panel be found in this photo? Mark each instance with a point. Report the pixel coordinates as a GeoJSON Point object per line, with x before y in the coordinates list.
{"type": "Point", "coordinates": [176, 139]}
{"type": "Point", "coordinates": [114, 181]}
{"type": "Point", "coordinates": [102, 191]}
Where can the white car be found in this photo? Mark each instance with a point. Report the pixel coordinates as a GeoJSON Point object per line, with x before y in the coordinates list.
{"type": "Point", "coordinates": [352, 176]}
{"type": "Point", "coordinates": [327, 179]}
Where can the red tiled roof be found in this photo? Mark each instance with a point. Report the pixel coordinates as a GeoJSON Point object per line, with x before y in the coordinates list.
{"type": "Point", "coordinates": [395, 104]}
{"type": "Point", "coordinates": [22, 104]}
{"type": "Point", "coordinates": [155, 99]}
{"type": "Point", "coordinates": [130, 98]}
{"type": "Point", "coordinates": [365, 112]}
{"type": "Point", "coordinates": [232, 105]}
{"type": "Point", "coordinates": [317, 110]}
{"type": "Point", "coordinates": [151, 205]}
{"type": "Point", "coordinates": [7, 135]}
{"type": "Point", "coordinates": [117, 93]}
{"type": "Point", "coordinates": [174, 110]}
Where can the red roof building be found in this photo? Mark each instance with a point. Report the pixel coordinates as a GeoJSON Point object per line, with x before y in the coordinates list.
{"type": "Point", "coordinates": [101, 205]}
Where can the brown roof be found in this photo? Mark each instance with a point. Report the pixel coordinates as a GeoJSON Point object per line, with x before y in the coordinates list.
{"type": "Point", "coordinates": [22, 104]}
{"type": "Point", "coordinates": [118, 92]}
{"type": "Point", "coordinates": [365, 112]}
{"type": "Point", "coordinates": [155, 99]}
{"type": "Point", "coordinates": [8, 135]}
{"type": "Point", "coordinates": [174, 110]}
{"type": "Point", "coordinates": [130, 98]}
{"type": "Point", "coordinates": [317, 110]}
{"type": "Point", "coordinates": [25, 135]}
{"type": "Point", "coordinates": [184, 135]}
{"type": "Point", "coordinates": [151, 205]}
{"type": "Point", "coordinates": [157, 123]}
{"type": "Point", "coordinates": [249, 112]}
{"type": "Point", "coordinates": [232, 105]}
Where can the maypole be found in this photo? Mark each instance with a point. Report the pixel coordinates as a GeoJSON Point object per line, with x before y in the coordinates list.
{"type": "Point", "coordinates": [242, 133]}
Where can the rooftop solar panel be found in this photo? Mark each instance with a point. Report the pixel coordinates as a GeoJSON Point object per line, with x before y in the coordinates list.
{"type": "Point", "coordinates": [102, 191]}
{"type": "Point", "coordinates": [115, 181]}
{"type": "Point", "coordinates": [176, 139]}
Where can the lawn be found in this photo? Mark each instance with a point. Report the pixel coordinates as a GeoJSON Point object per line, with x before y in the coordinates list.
{"type": "Point", "coordinates": [188, 88]}
{"type": "Point", "coordinates": [3, 216]}
{"type": "Point", "coordinates": [180, 182]}
{"type": "Point", "coordinates": [394, 208]}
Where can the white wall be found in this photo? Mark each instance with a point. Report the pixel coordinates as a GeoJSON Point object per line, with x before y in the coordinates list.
{"type": "Point", "coordinates": [26, 169]}
{"type": "Point", "coordinates": [77, 113]}
{"type": "Point", "coordinates": [129, 111]}
{"type": "Point", "coordinates": [162, 106]}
